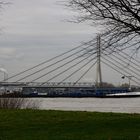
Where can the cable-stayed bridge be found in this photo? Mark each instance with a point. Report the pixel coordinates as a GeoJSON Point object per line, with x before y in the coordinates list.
{"type": "Point", "coordinates": [69, 68]}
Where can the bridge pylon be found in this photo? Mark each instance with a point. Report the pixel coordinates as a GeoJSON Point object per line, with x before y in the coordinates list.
{"type": "Point", "coordinates": [98, 70]}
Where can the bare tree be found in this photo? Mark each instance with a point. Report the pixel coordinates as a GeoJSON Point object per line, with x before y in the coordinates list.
{"type": "Point", "coordinates": [120, 20]}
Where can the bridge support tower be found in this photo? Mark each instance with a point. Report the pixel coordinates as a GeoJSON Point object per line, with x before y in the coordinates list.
{"type": "Point", "coordinates": [98, 70]}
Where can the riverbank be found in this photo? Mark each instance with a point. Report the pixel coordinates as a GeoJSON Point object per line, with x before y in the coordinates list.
{"type": "Point", "coordinates": [67, 125]}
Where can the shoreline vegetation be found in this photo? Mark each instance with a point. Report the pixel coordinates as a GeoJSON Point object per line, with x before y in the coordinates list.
{"type": "Point", "coordinates": [29, 124]}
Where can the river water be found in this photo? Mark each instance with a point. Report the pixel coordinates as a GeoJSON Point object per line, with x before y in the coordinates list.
{"type": "Point", "coordinates": [124, 105]}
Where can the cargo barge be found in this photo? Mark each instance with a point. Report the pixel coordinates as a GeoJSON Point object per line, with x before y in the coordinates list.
{"type": "Point", "coordinates": [78, 92]}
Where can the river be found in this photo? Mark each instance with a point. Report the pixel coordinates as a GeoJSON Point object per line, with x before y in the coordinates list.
{"type": "Point", "coordinates": [123, 105]}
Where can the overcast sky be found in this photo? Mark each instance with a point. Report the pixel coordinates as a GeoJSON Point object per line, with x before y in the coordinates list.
{"type": "Point", "coordinates": [35, 30]}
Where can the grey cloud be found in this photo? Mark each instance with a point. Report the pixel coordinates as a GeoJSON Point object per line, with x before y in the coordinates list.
{"type": "Point", "coordinates": [36, 30]}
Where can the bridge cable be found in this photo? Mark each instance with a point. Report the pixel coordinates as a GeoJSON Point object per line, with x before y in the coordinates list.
{"type": "Point", "coordinates": [85, 73]}
{"type": "Point", "coordinates": [62, 66]}
{"type": "Point", "coordinates": [125, 63]}
{"type": "Point", "coordinates": [121, 51]}
{"type": "Point", "coordinates": [134, 63]}
{"type": "Point", "coordinates": [125, 57]}
{"type": "Point", "coordinates": [77, 70]}
{"type": "Point", "coordinates": [61, 72]}
{"type": "Point", "coordinates": [122, 44]}
{"type": "Point", "coordinates": [121, 68]}
{"type": "Point", "coordinates": [46, 67]}
{"type": "Point", "coordinates": [117, 70]}
{"type": "Point", "coordinates": [131, 58]}
{"type": "Point", "coordinates": [46, 61]}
